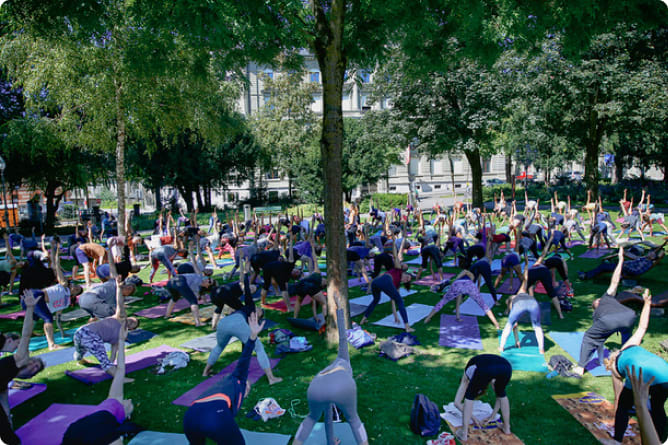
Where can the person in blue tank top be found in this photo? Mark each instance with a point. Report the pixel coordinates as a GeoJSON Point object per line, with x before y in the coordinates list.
{"type": "Point", "coordinates": [628, 359]}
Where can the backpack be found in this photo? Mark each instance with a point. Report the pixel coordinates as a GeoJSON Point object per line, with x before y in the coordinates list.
{"type": "Point", "coordinates": [425, 418]}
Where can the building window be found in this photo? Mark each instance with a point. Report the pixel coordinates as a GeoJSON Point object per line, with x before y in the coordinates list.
{"type": "Point", "coordinates": [486, 165]}
{"type": "Point", "coordinates": [269, 73]}
{"type": "Point", "coordinates": [315, 77]}
{"type": "Point", "coordinates": [393, 189]}
{"type": "Point", "coordinates": [392, 171]}
{"type": "Point", "coordinates": [231, 197]}
{"type": "Point", "coordinates": [273, 174]}
{"type": "Point", "coordinates": [365, 76]}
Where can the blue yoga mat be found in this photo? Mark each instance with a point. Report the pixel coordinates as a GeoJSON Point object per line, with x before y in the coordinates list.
{"type": "Point", "coordinates": [41, 343]}
{"type": "Point", "coordinates": [58, 357]}
{"type": "Point", "coordinates": [342, 431]}
{"type": "Point", "coordinates": [251, 438]}
{"type": "Point", "coordinates": [139, 335]}
{"type": "Point", "coordinates": [571, 342]}
{"type": "Point", "coordinates": [527, 358]}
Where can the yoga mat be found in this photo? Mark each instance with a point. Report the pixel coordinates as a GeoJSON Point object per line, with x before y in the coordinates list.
{"type": "Point", "coordinates": [433, 280]}
{"type": "Point", "coordinates": [13, 315]}
{"type": "Point", "coordinates": [342, 431]}
{"type": "Point", "coordinates": [545, 312]}
{"type": "Point", "coordinates": [470, 307]}
{"type": "Point", "coordinates": [134, 362]}
{"type": "Point", "coordinates": [205, 314]}
{"type": "Point", "coordinates": [74, 315]}
{"type": "Point", "coordinates": [413, 252]}
{"type": "Point", "coordinates": [49, 426]}
{"type": "Point", "coordinates": [488, 434]}
{"type": "Point", "coordinates": [571, 342]}
{"type": "Point", "coordinates": [131, 299]}
{"type": "Point", "coordinates": [354, 282]}
{"type": "Point", "coordinates": [595, 253]}
{"type": "Point", "coordinates": [159, 283]}
{"type": "Point", "coordinates": [357, 309]}
{"type": "Point", "coordinates": [250, 437]}
{"type": "Point", "coordinates": [41, 343]}
{"type": "Point", "coordinates": [367, 299]}
{"type": "Point", "coordinates": [280, 305]}
{"type": "Point", "coordinates": [509, 286]}
{"type": "Point", "coordinates": [595, 413]}
{"type": "Point", "coordinates": [223, 263]}
{"type": "Point", "coordinates": [208, 342]}
{"type": "Point", "coordinates": [449, 263]}
{"type": "Point", "coordinates": [415, 311]}
{"type": "Point", "coordinates": [139, 335]}
{"type": "Point", "coordinates": [18, 396]}
{"type": "Point", "coordinates": [575, 242]}
{"type": "Point", "coordinates": [526, 358]}
{"type": "Point", "coordinates": [463, 334]}
{"type": "Point", "coordinates": [159, 310]}
{"type": "Point", "coordinates": [496, 264]}
{"type": "Point", "coordinates": [254, 374]}
{"type": "Point", "coordinates": [57, 357]}
{"type": "Point", "coordinates": [418, 261]}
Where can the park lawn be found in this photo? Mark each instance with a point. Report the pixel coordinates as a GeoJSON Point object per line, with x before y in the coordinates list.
{"type": "Point", "coordinates": [385, 388]}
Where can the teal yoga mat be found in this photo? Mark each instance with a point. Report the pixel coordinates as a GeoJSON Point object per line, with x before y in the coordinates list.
{"type": "Point", "coordinates": [571, 343]}
{"type": "Point", "coordinates": [251, 438]}
{"type": "Point", "coordinates": [342, 431]}
{"type": "Point", "coordinates": [40, 342]}
{"type": "Point", "coordinates": [527, 358]}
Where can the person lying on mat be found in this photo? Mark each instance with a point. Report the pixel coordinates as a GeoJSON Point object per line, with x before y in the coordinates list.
{"type": "Point", "coordinates": [230, 294]}
{"type": "Point", "coordinates": [105, 425]}
{"type": "Point", "coordinates": [389, 283]}
{"type": "Point", "coordinates": [17, 365]}
{"type": "Point", "coordinates": [91, 338]}
{"type": "Point", "coordinates": [55, 298]}
{"type": "Point", "coordinates": [237, 325]}
{"type": "Point", "coordinates": [610, 316]}
{"type": "Point", "coordinates": [631, 268]}
{"type": "Point", "coordinates": [519, 304]}
{"type": "Point", "coordinates": [211, 416]}
{"type": "Point", "coordinates": [479, 372]}
{"type": "Point", "coordinates": [463, 284]}
{"type": "Point", "coordinates": [653, 366]}
{"type": "Point", "coordinates": [334, 386]}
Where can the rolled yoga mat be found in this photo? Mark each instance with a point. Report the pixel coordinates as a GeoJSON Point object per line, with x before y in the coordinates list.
{"type": "Point", "coordinates": [133, 362]}
{"type": "Point", "coordinates": [463, 334]}
{"type": "Point", "coordinates": [254, 374]}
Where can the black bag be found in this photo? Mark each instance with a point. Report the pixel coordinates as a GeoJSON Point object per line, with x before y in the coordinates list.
{"type": "Point", "coordinates": [425, 417]}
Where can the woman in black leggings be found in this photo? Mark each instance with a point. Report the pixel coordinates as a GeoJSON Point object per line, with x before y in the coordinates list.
{"type": "Point", "coordinates": [211, 416]}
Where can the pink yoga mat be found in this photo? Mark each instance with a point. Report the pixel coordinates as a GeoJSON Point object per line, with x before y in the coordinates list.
{"type": "Point", "coordinates": [13, 315]}
{"type": "Point", "coordinates": [433, 280]}
{"type": "Point", "coordinates": [18, 396]}
{"type": "Point", "coordinates": [48, 427]}
{"type": "Point", "coordinates": [134, 362]}
{"type": "Point", "coordinates": [280, 305]}
{"type": "Point", "coordinates": [508, 287]}
{"type": "Point", "coordinates": [254, 374]}
{"type": "Point", "coordinates": [159, 311]}
{"type": "Point", "coordinates": [159, 283]}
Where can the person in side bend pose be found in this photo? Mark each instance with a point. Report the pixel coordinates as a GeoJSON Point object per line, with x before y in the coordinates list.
{"type": "Point", "coordinates": [650, 218]}
{"type": "Point", "coordinates": [312, 285]}
{"type": "Point", "coordinates": [590, 207]}
{"type": "Point", "coordinates": [539, 272]}
{"type": "Point", "coordinates": [211, 416]}
{"type": "Point", "coordinates": [9, 268]}
{"type": "Point", "coordinates": [278, 273]}
{"type": "Point", "coordinates": [334, 386]}
{"type": "Point", "coordinates": [519, 304]}
{"type": "Point", "coordinates": [483, 267]}
{"type": "Point", "coordinates": [632, 354]}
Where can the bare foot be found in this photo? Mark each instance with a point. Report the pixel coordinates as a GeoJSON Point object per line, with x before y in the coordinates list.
{"type": "Point", "coordinates": [55, 347]}
{"type": "Point", "coordinates": [462, 434]}
{"type": "Point", "coordinates": [517, 345]}
{"type": "Point", "coordinates": [128, 380]}
{"type": "Point", "coordinates": [409, 329]}
{"type": "Point", "coordinates": [275, 380]}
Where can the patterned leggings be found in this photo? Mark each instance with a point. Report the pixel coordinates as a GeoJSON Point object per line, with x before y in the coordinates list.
{"type": "Point", "coordinates": [462, 287]}
{"type": "Point", "coordinates": [87, 341]}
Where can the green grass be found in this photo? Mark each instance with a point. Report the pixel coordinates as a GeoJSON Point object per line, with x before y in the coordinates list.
{"type": "Point", "coordinates": [385, 388]}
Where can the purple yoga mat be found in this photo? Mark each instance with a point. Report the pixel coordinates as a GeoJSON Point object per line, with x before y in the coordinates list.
{"type": "Point", "coordinates": [432, 280]}
{"type": "Point", "coordinates": [509, 288]}
{"type": "Point", "coordinates": [13, 315]}
{"type": "Point", "coordinates": [463, 334]}
{"type": "Point", "coordinates": [18, 396]}
{"type": "Point", "coordinates": [595, 253]}
{"type": "Point", "coordinates": [48, 427]}
{"type": "Point", "coordinates": [575, 242]}
{"type": "Point", "coordinates": [159, 310]}
{"type": "Point", "coordinates": [353, 282]}
{"type": "Point", "coordinates": [254, 374]}
{"type": "Point", "coordinates": [134, 362]}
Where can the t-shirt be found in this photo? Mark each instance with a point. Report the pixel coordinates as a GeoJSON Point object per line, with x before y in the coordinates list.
{"type": "Point", "coordinates": [58, 297]}
{"type": "Point", "coordinates": [652, 365]}
{"type": "Point", "coordinates": [8, 371]}
{"type": "Point", "coordinates": [107, 329]}
{"type": "Point", "coordinates": [396, 276]}
{"type": "Point", "coordinates": [637, 267]}
{"type": "Point", "coordinates": [194, 282]}
{"type": "Point", "coordinates": [167, 251]}
{"type": "Point", "coordinates": [100, 427]}
{"type": "Point", "coordinates": [310, 285]}
{"type": "Point", "coordinates": [93, 250]}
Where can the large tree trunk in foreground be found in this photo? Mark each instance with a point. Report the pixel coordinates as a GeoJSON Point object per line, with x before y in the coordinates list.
{"type": "Point", "coordinates": [329, 52]}
{"type": "Point", "coordinates": [473, 156]}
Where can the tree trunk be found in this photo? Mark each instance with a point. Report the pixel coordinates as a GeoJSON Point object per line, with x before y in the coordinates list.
{"type": "Point", "coordinates": [473, 156]}
{"type": "Point", "coordinates": [509, 168]}
{"type": "Point", "coordinates": [328, 46]}
{"type": "Point", "coordinates": [50, 220]}
{"type": "Point", "coordinates": [618, 174]}
{"type": "Point", "coordinates": [452, 178]}
{"type": "Point", "coordinates": [207, 197]}
{"type": "Point", "coordinates": [187, 195]}
{"type": "Point", "coordinates": [158, 198]}
{"type": "Point", "coordinates": [592, 143]}
{"type": "Point", "coordinates": [120, 159]}
{"type": "Point", "coordinates": [200, 201]}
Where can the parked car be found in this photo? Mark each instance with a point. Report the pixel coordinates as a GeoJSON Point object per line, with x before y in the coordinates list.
{"type": "Point", "coordinates": [494, 181]}
{"type": "Point", "coordinates": [576, 176]}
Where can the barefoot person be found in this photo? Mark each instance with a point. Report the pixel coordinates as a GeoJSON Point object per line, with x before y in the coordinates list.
{"type": "Point", "coordinates": [479, 372]}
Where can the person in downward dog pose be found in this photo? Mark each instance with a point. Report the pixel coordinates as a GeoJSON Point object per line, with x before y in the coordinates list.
{"type": "Point", "coordinates": [333, 386]}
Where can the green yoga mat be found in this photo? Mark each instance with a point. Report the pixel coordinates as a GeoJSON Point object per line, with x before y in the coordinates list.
{"type": "Point", "coordinates": [41, 343]}
{"type": "Point", "coordinates": [526, 358]}
{"type": "Point", "coordinates": [251, 438]}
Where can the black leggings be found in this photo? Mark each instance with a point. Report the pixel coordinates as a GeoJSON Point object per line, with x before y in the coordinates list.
{"type": "Point", "coordinates": [211, 420]}
{"type": "Point", "coordinates": [657, 398]}
{"type": "Point", "coordinates": [542, 274]}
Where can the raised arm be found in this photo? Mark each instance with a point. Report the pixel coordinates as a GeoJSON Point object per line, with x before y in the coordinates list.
{"type": "Point", "coordinates": [116, 388]}
{"type": "Point", "coordinates": [617, 274]}
{"type": "Point", "coordinates": [241, 371]}
{"type": "Point", "coordinates": [22, 352]}
{"type": "Point", "coordinates": [55, 264]}
{"type": "Point", "coordinates": [637, 336]}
